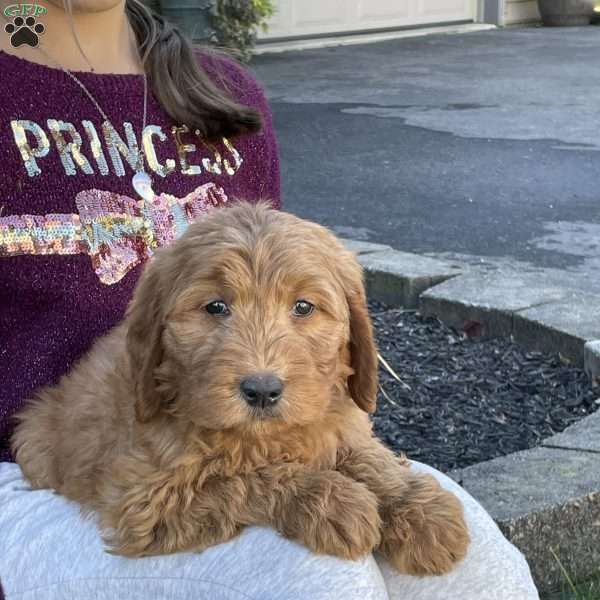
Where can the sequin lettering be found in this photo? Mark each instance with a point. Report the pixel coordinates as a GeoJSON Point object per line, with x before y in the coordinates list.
{"type": "Point", "coordinates": [183, 150]}
{"type": "Point", "coordinates": [70, 152]}
{"type": "Point", "coordinates": [149, 132]}
{"type": "Point", "coordinates": [29, 154]}
{"type": "Point", "coordinates": [87, 154]}
{"type": "Point", "coordinates": [96, 146]}
{"type": "Point", "coordinates": [117, 147]}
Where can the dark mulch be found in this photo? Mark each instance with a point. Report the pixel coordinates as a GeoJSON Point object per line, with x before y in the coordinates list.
{"type": "Point", "coordinates": [470, 399]}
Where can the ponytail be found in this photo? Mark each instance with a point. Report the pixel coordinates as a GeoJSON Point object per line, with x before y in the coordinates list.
{"type": "Point", "coordinates": [180, 84]}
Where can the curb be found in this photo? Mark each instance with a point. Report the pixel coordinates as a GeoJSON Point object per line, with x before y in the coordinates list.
{"type": "Point", "coordinates": [270, 47]}
{"type": "Point", "coordinates": [546, 498]}
{"type": "Point", "coordinates": [591, 354]}
{"type": "Point", "coordinates": [537, 316]}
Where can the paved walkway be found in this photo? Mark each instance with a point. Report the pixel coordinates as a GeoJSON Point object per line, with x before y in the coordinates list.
{"type": "Point", "coordinates": [481, 147]}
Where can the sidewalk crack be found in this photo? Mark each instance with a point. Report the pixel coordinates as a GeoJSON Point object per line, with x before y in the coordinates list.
{"type": "Point", "coordinates": [556, 447]}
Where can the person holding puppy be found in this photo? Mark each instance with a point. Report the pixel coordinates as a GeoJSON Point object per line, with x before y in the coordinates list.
{"type": "Point", "coordinates": [115, 135]}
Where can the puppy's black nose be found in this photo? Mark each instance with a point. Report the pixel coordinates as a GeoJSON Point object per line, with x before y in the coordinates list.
{"type": "Point", "coordinates": [261, 391]}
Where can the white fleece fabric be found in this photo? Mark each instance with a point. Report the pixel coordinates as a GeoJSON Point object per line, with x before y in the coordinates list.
{"type": "Point", "coordinates": [49, 552]}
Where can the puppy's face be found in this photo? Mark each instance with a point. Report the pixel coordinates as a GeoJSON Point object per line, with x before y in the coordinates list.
{"type": "Point", "coordinates": [252, 317]}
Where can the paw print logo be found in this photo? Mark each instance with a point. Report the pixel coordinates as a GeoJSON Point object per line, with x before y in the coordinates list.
{"type": "Point", "coordinates": [24, 31]}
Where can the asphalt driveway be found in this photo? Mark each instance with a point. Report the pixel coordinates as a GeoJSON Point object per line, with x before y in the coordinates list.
{"type": "Point", "coordinates": [480, 146]}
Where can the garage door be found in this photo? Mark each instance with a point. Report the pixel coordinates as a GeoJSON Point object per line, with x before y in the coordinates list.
{"type": "Point", "coordinates": [297, 18]}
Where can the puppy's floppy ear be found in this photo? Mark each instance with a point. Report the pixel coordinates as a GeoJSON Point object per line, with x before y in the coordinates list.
{"type": "Point", "coordinates": [145, 318]}
{"type": "Point", "coordinates": [363, 350]}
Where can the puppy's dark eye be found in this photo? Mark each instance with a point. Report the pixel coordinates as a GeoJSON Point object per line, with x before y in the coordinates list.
{"type": "Point", "coordinates": [302, 308]}
{"type": "Point", "coordinates": [218, 307]}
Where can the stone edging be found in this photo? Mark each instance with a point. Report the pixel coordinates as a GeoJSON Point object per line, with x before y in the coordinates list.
{"type": "Point", "coordinates": [546, 497]}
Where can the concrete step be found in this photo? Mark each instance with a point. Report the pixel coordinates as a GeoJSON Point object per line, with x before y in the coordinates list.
{"type": "Point", "coordinates": [547, 499]}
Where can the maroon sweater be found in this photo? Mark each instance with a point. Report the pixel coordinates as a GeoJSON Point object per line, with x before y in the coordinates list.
{"type": "Point", "coordinates": [73, 237]}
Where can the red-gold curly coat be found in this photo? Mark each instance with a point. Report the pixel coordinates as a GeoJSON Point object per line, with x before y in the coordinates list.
{"type": "Point", "coordinates": [150, 431]}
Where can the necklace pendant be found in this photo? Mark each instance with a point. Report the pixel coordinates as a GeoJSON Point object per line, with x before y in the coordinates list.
{"type": "Point", "coordinates": [142, 184]}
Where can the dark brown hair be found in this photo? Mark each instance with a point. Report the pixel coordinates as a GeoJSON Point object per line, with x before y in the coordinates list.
{"type": "Point", "coordinates": [183, 88]}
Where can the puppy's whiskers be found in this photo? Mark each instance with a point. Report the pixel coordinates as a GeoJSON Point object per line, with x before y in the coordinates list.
{"type": "Point", "coordinates": [262, 414]}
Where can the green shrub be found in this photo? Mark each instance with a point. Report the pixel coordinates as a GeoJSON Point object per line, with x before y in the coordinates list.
{"type": "Point", "coordinates": [236, 23]}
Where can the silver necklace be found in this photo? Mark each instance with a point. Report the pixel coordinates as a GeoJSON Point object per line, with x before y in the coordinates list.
{"type": "Point", "coordinates": [141, 181]}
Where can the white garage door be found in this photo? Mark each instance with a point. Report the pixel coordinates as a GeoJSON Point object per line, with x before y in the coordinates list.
{"type": "Point", "coordinates": [295, 18]}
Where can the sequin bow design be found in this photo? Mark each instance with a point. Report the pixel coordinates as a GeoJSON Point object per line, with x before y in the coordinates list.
{"type": "Point", "coordinates": [116, 231]}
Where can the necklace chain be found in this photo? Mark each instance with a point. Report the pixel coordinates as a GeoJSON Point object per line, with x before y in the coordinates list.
{"type": "Point", "coordinates": [97, 105]}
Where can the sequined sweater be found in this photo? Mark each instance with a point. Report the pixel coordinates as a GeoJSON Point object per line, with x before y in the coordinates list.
{"type": "Point", "coordinates": [73, 233]}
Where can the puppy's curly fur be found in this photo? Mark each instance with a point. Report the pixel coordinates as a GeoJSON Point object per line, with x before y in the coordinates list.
{"type": "Point", "coordinates": [150, 431]}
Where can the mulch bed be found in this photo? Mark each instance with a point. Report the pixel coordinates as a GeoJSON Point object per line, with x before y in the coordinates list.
{"type": "Point", "coordinates": [470, 399]}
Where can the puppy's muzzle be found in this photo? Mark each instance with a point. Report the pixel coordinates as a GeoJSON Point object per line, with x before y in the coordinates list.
{"type": "Point", "coordinates": [261, 391]}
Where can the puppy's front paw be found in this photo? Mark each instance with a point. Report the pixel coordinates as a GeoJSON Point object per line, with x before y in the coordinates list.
{"type": "Point", "coordinates": [162, 516]}
{"type": "Point", "coordinates": [137, 534]}
{"type": "Point", "coordinates": [333, 514]}
{"type": "Point", "coordinates": [424, 532]}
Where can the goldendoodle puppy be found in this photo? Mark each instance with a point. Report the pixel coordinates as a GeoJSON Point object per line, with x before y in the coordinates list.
{"type": "Point", "coordinates": [236, 393]}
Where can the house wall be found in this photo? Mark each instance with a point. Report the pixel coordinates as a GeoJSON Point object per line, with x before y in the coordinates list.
{"type": "Point", "coordinates": [520, 11]}
{"type": "Point", "coordinates": [305, 18]}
